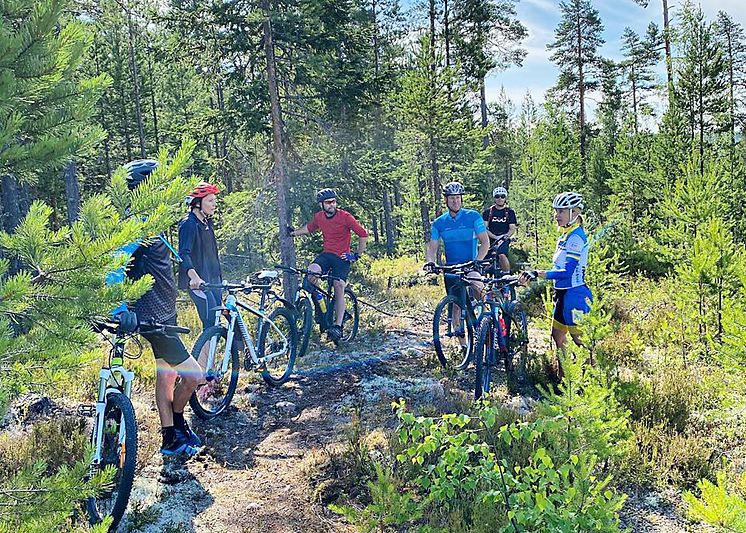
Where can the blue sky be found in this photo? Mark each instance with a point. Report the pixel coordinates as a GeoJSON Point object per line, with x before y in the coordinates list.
{"type": "Point", "coordinates": [541, 18]}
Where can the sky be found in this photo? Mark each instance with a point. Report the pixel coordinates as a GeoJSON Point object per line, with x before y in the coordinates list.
{"type": "Point", "coordinates": [541, 17]}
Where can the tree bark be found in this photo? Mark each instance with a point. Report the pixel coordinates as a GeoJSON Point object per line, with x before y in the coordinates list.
{"type": "Point", "coordinates": [388, 223]}
{"type": "Point", "coordinates": [153, 106]}
{"type": "Point", "coordinates": [667, 46]}
{"type": "Point", "coordinates": [483, 111]}
{"type": "Point", "coordinates": [72, 191]}
{"type": "Point", "coordinates": [11, 203]}
{"type": "Point", "coordinates": [279, 168]}
{"type": "Point", "coordinates": [581, 99]}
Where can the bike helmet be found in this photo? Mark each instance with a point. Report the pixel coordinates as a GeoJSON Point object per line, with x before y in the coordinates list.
{"type": "Point", "coordinates": [201, 190]}
{"type": "Point", "coordinates": [453, 189]}
{"type": "Point", "coordinates": [567, 200]}
{"type": "Point", "coordinates": [325, 194]}
{"type": "Point", "coordinates": [138, 170]}
{"type": "Point", "coordinates": [499, 190]}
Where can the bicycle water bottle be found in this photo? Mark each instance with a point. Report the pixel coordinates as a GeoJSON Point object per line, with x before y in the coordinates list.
{"type": "Point", "coordinates": [321, 301]}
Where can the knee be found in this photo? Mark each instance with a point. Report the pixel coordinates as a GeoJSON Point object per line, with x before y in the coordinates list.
{"type": "Point", "coordinates": [339, 285]}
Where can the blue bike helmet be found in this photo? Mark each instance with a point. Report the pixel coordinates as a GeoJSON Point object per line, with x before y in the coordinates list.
{"type": "Point", "coordinates": [138, 170]}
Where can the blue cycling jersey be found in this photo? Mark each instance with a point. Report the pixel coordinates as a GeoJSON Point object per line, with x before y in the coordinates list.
{"type": "Point", "coordinates": [570, 259]}
{"type": "Point", "coordinates": [459, 234]}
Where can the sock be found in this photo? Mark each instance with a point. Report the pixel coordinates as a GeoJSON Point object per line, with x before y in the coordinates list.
{"type": "Point", "coordinates": [169, 435]}
{"type": "Point", "coordinates": [179, 420]}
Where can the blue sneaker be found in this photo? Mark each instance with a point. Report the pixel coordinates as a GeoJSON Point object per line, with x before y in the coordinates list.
{"type": "Point", "coordinates": [179, 446]}
{"type": "Point", "coordinates": [190, 436]}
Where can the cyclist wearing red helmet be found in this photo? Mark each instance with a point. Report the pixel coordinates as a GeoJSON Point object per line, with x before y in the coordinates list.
{"type": "Point", "coordinates": [198, 249]}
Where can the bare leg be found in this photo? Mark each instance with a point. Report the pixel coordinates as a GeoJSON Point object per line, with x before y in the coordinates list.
{"type": "Point", "coordinates": [504, 263]}
{"type": "Point", "coordinates": [339, 301]}
{"type": "Point", "coordinates": [191, 375]}
{"type": "Point", "coordinates": [165, 379]}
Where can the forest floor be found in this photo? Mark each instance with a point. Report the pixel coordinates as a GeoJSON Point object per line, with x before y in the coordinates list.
{"type": "Point", "coordinates": [266, 462]}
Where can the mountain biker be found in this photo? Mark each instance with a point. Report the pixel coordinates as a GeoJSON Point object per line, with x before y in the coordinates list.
{"type": "Point", "coordinates": [159, 305]}
{"type": "Point", "coordinates": [501, 224]}
{"type": "Point", "coordinates": [336, 226]}
{"type": "Point", "coordinates": [571, 295]}
{"type": "Point", "coordinates": [460, 230]}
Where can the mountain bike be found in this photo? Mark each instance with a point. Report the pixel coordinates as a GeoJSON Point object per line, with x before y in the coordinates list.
{"type": "Point", "coordinates": [502, 334]}
{"type": "Point", "coordinates": [272, 354]}
{"type": "Point", "coordinates": [114, 434]}
{"type": "Point", "coordinates": [323, 312]}
{"type": "Point", "coordinates": [494, 268]}
{"type": "Point", "coordinates": [453, 338]}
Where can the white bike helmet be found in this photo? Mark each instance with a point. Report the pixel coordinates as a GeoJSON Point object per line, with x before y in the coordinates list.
{"type": "Point", "coordinates": [499, 190]}
{"type": "Point", "coordinates": [567, 200]}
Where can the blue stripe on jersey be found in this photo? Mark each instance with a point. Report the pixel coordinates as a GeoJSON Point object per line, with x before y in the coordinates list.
{"type": "Point", "coordinates": [459, 234]}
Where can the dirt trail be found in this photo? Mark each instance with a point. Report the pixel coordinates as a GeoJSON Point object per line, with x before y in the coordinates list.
{"type": "Point", "coordinates": [253, 474]}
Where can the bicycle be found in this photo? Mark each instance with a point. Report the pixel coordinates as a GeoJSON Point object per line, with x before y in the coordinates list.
{"type": "Point", "coordinates": [114, 433]}
{"type": "Point", "coordinates": [272, 354]}
{"type": "Point", "coordinates": [503, 329]}
{"type": "Point", "coordinates": [447, 336]}
{"type": "Point", "coordinates": [325, 318]}
{"type": "Point", "coordinates": [495, 269]}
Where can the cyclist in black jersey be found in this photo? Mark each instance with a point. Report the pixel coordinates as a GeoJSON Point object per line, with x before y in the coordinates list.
{"type": "Point", "coordinates": [159, 304]}
{"type": "Point", "coordinates": [501, 224]}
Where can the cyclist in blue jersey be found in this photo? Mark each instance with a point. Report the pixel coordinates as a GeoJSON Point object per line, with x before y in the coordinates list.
{"type": "Point", "coordinates": [464, 237]}
{"type": "Point", "coordinates": [572, 296]}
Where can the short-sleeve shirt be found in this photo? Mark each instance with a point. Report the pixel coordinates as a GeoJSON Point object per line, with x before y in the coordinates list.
{"type": "Point", "coordinates": [336, 230]}
{"type": "Point", "coordinates": [459, 234]}
{"type": "Point", "coordinates": [499, 220]}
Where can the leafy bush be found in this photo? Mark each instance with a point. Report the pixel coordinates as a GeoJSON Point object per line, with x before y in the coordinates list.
{"type": "Point", "coordinates": [404, 271]}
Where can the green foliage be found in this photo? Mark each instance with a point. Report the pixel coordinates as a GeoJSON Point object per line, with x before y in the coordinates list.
{"type": "Point", "coordinates": [717, 505]}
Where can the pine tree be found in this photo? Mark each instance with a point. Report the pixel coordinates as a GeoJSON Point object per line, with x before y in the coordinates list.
{"type": "Point", "coordinates": [640, 57]}
{"type": "Point", "coordinates": [575, 51]}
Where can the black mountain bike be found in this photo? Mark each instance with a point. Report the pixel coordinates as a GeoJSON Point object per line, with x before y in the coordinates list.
{"type": "Point", "coordinates": [455, 317]}
{"type": "Point", "coordinates": [322, 311]}
{"type": "Point", "coordinates": [502, 336]}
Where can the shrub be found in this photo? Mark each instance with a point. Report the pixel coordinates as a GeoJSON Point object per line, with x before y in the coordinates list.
{"type": "Point", "coordinates": [717, 505]}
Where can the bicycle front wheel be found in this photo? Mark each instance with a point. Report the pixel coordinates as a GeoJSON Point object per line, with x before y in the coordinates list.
{"type": "Point", "coordinates": [304, 323]}
{"type": "Point", "coordinates": [278, 341]}
{"type": "Point", "coordinates": [118, 452]}
{"type": "Point", "coordinates": [351, 321]}
{"type": "Point", "coordinates": [212, 398]}
{"type": "Point", "coordinates": [484, 355]}
{"type": "Point", "coordinates": [453, 338]}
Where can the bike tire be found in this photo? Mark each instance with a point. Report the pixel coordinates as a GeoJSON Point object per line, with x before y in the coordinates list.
{"type": "Point", "coordinates": [119, 410]}
{"type": "Point", "coordinates": [516, 340]}
{"type": "Point", "coordinates": [483, 356]}
{"type": "Point", "coordinates": [279, 368]}
{"type": "Point", "coordinates": [304, 324]}
{"type": "Point", "coordinates": [211, 399]}
{"type": "Point", "coordinates": [446, 344]}
{"type": "Point", "coordinates": [351, 321]}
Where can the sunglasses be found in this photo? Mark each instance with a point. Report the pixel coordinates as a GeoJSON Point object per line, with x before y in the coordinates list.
{"type": "Point", "coordinates": [500, 196]}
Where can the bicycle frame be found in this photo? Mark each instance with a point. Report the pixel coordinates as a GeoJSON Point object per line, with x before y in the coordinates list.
{"type": "Point", "coordinates": [114, 378]}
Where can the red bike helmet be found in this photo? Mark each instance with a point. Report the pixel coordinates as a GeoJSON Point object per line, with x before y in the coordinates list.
{"type": "Point", "coordinates": [203, 189]}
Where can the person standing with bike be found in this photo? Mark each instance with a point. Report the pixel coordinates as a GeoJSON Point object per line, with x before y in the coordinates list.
{"type": "Point", "coordinates": [501, 226]}
{"type": "Point", "coordinates": [159, 305]}
{"type": "Point", "coordinates": [336, 226]}
{"type": "Point", "coordinates": [198, 250]}
{"type": "Point", "coordinates": [464, 237]}
{"type": "Point", "coordinates": [572, 296]}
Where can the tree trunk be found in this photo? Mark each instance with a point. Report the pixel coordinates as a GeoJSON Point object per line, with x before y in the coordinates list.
{"type": "Point", "coordinates": [374, 227]}
{"type": "Point", "coordinates": [397, 203]}
{"type": "Point", "coordinates": [224, 167]}
{"type": "Point", "coordinates": [153, 106]}
{"type": "Point", "coordinates": [11, 203]}
{"type": "Point", "coordinates": [72, 191]}
{"type": "Point", "coordinates": [125, 123]}
{"type": "Point", "coordinates": [287, 249]}
{"type": "Point", "coordinates": [135, 83]}
{"type": "Point", "coordinates": [483, 111]}
{"type": "Point", "coordinates": [388, 223]}
{"type": "Point", "coordinates": [581, 99]}
{"type": "Point", "coordinates": [667, 45]}
{"type": "Point", "coordinates": [376, 51]}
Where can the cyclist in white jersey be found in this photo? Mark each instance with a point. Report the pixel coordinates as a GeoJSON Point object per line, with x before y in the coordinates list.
{"type": "Point", "coordinates": [572, 296]}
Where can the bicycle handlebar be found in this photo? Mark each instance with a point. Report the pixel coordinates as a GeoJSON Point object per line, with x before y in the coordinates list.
{"type": "Point", "coordinates": [145, 326]}
{"type": "Point", "coordinates": [307, 272]}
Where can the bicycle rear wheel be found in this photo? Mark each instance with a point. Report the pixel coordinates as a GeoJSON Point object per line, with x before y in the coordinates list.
{"type": "Point", "coordinates": [516, 340]}
{"type": "Point", "coordinates": [448, 336]}
{"type": "Point", "coordinates": [484, 355]}
{"type": "Point", "coordinates": [212, 398]}
{"type": "Point", "coordinates": [119, 454]}
{"type": "Point", "coordinates": [304, 323]}
{"type": "Point", "coordinates": [278, 338]}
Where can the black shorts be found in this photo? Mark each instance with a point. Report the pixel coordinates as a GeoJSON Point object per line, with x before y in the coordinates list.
{"type": "Point", "coordinates": [206, 302]}
{"type": "Point", "coordinates": [333, 264]}
{"type": "Point", "coordinates": [168, 347]}
{"type": "Point", "coordinates": [454, 285]}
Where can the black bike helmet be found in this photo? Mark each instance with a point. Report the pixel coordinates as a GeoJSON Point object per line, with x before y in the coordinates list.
{"type": "Point", "coordinates": [138, 170]}
{"type": "Point", "coordinates": [325, 194]}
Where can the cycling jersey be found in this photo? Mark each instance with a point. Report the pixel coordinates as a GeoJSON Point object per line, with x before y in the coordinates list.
{"type": "Point", "coordinates": [499, 220]}
{"type": "Point", "coordinates": [570, 258]}
{"type": "Point", "coordinates": [459, 234]}
{"type": "Point", "coordinates": [336, 230]}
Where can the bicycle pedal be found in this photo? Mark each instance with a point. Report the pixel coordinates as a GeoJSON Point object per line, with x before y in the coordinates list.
{"type": "Point", "coordinates": [86, 410]}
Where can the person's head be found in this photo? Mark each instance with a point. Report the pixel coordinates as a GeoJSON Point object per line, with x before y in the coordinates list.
{"type": "Point", "coordinates": [327, 200]}
{"type": "Point", "coordinates": [453, 193]}
{"type": "Point", "coordinates": [138, 170]}
{"type": "Point", "coordinates": [204, 198]}
{"type": "Point", "coordinates": [500, 194]}
{"type": "Point", "coordinates": [567, 208]}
